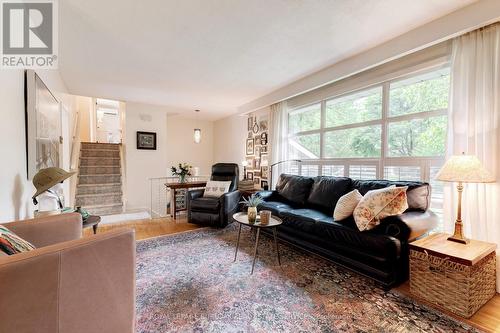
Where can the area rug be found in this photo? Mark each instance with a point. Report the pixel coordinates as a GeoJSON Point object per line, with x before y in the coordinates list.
{"type": "Point", "coordinates": [188, 282]}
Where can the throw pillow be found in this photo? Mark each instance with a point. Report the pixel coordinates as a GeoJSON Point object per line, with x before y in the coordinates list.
{"type": "Point", "coordinates": [346, 205]}
{"type": "Point", "coordinates": [378, 204]}
{"type": "Point", "coordinates": [216, 189]}
{"type": "Point", "coordinates": [10, 243]}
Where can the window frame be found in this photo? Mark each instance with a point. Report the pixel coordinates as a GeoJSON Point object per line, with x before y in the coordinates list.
{"type": "Point", "coordinates": [424, 162]}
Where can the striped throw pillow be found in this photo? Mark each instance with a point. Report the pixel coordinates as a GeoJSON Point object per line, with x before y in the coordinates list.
{"type": "Point", "coordinates": [346, 205]}
{"type": "Point", "coordinates": [10, 243]}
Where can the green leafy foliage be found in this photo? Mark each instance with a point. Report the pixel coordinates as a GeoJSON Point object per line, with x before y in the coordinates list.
{"type": "Point", "coordinates": [253, 201]}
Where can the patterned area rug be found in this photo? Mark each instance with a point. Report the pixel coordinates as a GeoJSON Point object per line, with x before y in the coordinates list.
{"type": "Point", "coordinates": [188, 282]}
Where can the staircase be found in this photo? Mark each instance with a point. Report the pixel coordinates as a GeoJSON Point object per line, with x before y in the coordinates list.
{"type": "Point", "coordinates": [99, 188]}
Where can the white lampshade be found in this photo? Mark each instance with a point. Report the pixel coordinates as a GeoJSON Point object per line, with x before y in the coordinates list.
{"type": "Point", "coordinates": [466, 169]}
{"type": "Point", "coordinates": [244, 163]}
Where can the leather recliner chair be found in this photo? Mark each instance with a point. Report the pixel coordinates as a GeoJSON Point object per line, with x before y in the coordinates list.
{"type": "Point", "coordinates": [215, 212]}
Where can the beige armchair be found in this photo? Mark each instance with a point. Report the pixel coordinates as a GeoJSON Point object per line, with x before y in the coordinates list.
{"type": "Point", "coordinates": [68, 284]}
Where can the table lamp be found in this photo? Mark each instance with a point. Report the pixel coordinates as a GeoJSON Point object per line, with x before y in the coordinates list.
{"type": "Point", "coordinates": [245, 164]}
{"type": "Point", "coordinates": [463, 169]}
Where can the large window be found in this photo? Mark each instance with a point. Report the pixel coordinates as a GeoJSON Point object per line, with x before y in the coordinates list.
{"type": "Point", "coordinates": [394, 130]}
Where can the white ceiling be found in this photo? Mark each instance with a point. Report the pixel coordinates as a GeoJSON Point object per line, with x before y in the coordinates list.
{"type": "Point", "coordinates": [216, 55]}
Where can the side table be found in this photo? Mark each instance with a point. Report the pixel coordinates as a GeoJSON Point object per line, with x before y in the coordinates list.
{"type": "Point", "coordinates": [457, 277]}
{"type": "Point", "coordinates": [274, 222]}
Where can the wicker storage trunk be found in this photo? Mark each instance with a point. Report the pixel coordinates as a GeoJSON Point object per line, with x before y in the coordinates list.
{"type": "Point", "coordinates": [456, 285]}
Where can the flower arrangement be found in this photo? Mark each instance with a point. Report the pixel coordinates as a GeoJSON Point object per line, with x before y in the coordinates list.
{"type": "Point", "coordinates": [182, 170]}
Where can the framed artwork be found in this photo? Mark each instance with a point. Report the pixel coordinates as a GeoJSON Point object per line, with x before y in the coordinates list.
{"type": "Point", "coordinates": [264, 172]}
{"type": "Point", "coordinates": [263, 125]}
{"type": "Point", "coordinates": [255, 127]}
{"type": "Point", "coordinates": [257, 164]}
{"type": "Point", "coordinates": [263, 149]}
{"type": "Point", "coordinates": [264, 184]}
{"type": "Point", "coordinates": [257, 151]}
{"type": "Point", "coordinates": [250, 175]}
{"type": "Point", "coordinates": [43, 125]}
{"type": "Point", "coordinates": [263, 139]}
{"type": "Point", "coordinates": [146, 140]}
{"type": "Point", "coordinates": [256, 181]}
{"type": "Point", "coordinates": [263, 159]}
{"type": "Point", "coordinates": [250, 135]}
{"type": "Point", "coordinates": [256, 173]}
{"type": "Point", "coordinates": [250, 147]}
{"type": "Point", "coordinates": [250, 123]}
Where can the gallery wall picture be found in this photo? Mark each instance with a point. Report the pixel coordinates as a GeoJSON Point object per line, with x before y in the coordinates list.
{"type": "Point", "coordinates": [250, 175]}
{"type": "Point", "coordinates": [43, 126]}
{"type": "Point", "coordinates": [250, 147]}
{"type": "Point", "coordinates": [146, 140]}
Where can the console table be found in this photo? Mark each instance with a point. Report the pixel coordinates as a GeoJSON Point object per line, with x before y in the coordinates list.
{"type": "Point", "coordinates": [176, 188]}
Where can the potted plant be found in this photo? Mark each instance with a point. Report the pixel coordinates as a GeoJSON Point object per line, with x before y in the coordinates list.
{"type": "Point", "coordinates": [252, 202]}
{"type": "Point", "coordinates": [182, 171]}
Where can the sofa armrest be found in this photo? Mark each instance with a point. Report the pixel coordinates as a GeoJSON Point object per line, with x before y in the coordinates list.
{"type": "Point", "coordinates": [194, 194]}
{"type": "Point", "coordinates": [230, 201]}
{"type": "Point", "coordinates": [48, 230]}
{"type": "Point", "coordinates": [84, 285]}
{"type": "Point", "coordinates": [420, 223]}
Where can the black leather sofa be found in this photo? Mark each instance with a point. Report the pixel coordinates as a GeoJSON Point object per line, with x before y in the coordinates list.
{"type": "Point", "coordinates": [306, 205]}
{"type": "Point", "coordinates": [215, 212]}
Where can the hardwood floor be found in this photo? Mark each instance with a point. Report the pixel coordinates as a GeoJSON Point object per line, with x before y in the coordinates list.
{"type": "Point", "coordinates": [148, 228]}
{"type": "Point", "coordinates": [487, 318]}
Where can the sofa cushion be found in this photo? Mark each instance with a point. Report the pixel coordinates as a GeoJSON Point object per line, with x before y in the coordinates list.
{"type": "Point", "coordinates": [303, 219]}
{"type": "Point", "coordinates": [216, 189]}
{"type": "Point", "coordinates": [293, 188]}
{"type": "Point", "coordinates": [276, 208]}
{"type": "Point", "coordinates": [203, 204]}
{"type": "Point", "coordinates": [326, 191]}
{"type": "Point", "coordinates": [418, 193]}
{"type": "Point", "coordinates": [379, 204]}
{"type": "Point", "coordinates": [346, 205]}
{"type": "Point", "coordinates": [342, 235]}
{"type": "Point", "coordinates": [10, 243]}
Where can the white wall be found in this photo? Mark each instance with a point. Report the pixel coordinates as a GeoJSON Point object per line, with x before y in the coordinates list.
{"type": "Point", "coordinates": [181, 145]}
{"type": "Point", "coordinates": [230, 135]}
{"type": "Point", "coordinates": [143, 164]}
{"type": "Point", "coordinates": [16, 190]}
{"type": "Point", "coordinates": [85, 110]}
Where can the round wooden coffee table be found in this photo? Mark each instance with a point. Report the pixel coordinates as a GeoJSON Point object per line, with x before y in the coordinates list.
{"type": "Point", "coordinates": [274, 222]}
{"type": "Point", "coordinates": [92, 221]}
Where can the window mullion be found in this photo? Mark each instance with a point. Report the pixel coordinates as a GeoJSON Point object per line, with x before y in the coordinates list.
{"type": "Point", "coordinates": [322, 131]}
{"type": "Point", "coordinates": [384, 144]}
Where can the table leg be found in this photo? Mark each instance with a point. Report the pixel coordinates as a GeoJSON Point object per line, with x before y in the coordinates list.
{"type": "Point", "coordinates": [172, 205]}
{"type": "Point", "coordinates": [237, 244]}
{"type": "Point", "coordinates": [255, 250]}
{"type": "Point", "coordinates": [275, 232]}
{"type": "Point", "coordinates": [95, 228]}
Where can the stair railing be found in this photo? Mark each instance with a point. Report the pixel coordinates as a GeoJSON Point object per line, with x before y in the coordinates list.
{"type": "Point", "coordinates": [74, 158]}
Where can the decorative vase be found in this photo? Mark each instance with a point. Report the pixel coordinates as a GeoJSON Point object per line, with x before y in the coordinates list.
{"type": "Point", "coordinates": [252, 214]}
{"type": "Point", "coordinates": [182, 178]}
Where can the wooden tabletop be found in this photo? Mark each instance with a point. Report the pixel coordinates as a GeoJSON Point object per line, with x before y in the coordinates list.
{"type": "Point", "coordinates": [186, 184]}
{"type": "Point", "coordinates": [467, 254]}
{"type": "Point", "coordinates": [243, 219]}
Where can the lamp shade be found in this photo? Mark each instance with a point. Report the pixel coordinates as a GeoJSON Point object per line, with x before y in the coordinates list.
{"type": "Point", "coordinates": [466, 169]}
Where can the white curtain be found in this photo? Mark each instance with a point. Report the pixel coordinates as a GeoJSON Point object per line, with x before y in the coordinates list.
{"type": "Point", "coordinates": [475, 129]}
{"type": "Point", "coordinates": [278, 130]}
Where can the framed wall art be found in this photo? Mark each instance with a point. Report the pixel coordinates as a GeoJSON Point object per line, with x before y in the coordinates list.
{"type": "Point", "coordinates": [43, 126]}
{"type": "Point", "coordinates": [146, 140]}
{"type": "Point", "coordinates": [250, 147]}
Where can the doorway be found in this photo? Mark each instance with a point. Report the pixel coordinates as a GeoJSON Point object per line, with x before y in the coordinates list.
{"type": "Point", "coordinates": [108, 121]}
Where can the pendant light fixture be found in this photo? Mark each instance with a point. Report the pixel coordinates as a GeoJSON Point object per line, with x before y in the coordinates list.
{"type": "Point", "coordinates": [197, 131]}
